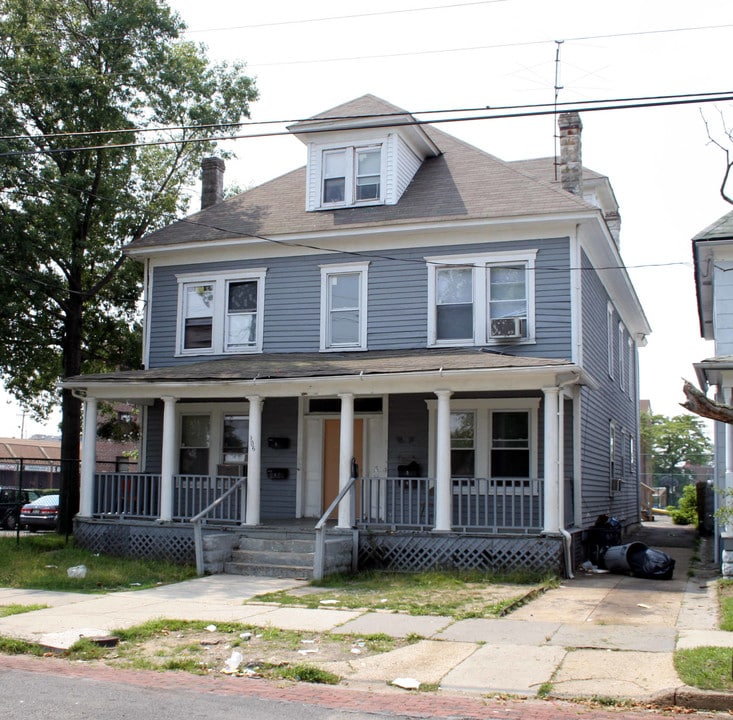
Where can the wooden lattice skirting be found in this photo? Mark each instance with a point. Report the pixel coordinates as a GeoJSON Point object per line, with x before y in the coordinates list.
{"type": "Point", "coordinates": [127, 538]}
{"type": "Point", "coordinates": [414, 552]}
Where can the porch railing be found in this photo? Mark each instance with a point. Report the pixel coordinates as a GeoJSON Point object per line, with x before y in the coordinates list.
{"type": "Point", "coordinates": [497, 505]}
{"type": "Point", "coordinates": [137, 495]}
{"type": "Point", "coordinates": [132, 495]}
{"type": "Point", "coordinates": [194, 493]}
{"type": "Point", "coordinates": [237, 488]}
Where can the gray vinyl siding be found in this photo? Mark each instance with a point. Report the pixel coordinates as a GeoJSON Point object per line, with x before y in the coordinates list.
{"type": "Point", "coordinates": [397, 305]}
{"type": "Point", "coordinates": [601, 406]}
{"type": "Point", "coordinates": [154, 438]}
{"type": "Point", "coordinates": [279, 419]}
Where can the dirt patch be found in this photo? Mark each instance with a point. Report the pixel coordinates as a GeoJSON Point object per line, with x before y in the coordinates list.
{"type": "Point", "coordinates": [248, 651]}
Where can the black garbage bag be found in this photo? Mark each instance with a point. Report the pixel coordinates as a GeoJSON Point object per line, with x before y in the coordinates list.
{"type": "Point", "coordinates": [646, 562]}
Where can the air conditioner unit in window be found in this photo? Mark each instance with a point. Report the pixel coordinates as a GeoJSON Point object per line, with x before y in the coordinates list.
{"type": "Point", "coordinates": [512, 327]}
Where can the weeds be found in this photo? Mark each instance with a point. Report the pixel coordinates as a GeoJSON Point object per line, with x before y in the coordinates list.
{"type": "Point", "coordinates": [41, 562]}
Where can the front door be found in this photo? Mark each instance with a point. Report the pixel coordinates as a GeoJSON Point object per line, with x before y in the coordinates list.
{"type": "Point", "coordinates": [331, 447]}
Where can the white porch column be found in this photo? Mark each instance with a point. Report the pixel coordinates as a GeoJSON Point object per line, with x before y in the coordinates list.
{"type": "Point", "coordinates": [168, 459]}
{"type": "Point", "coordinates": [442, 463]}
{"type": "Point", "coordinates": [254, 462]}
{"type": "Point", "coordinates": [551, 472]}
{"type": "Point", "coordinates": [88, 457]}
{"type": "Point", "coordinates": [346, 454]}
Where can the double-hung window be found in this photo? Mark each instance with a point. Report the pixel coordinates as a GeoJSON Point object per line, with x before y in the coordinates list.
{"type": "Point", "coordinates": [493, 438]}
{"type": "Point", "coordinates": [482, 299]}
{"type": "Point", "coordinates": [343, 306]}
{"type": "Point", "coordinates": [454, 303]}
{"type": "Point", "coordinates": [510, 444]}
{"type": "Point", "coordinates": [220, 312]}
{"type": "Point", "coordinates": [351, 176]}
{"type": "Point", "coordinates": [462, 444]}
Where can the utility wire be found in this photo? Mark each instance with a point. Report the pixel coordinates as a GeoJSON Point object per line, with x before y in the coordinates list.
{"type": "Point", "coordinates": [397, 113]}
{"type": "Point", "coordinates": [495, 46]}
{"type": "Point", "coordinates": [331, 18]}
{"type": "Point", "coordinates": [682, 100]}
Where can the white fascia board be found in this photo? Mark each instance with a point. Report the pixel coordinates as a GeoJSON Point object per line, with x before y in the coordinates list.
{"type": "Point", "coordinates": [515, 379]}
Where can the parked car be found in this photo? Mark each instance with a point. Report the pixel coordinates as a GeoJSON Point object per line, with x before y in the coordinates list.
{"type": "Point", "coordinates": [41, 514]}
{"type": "Point", "coordinates": [11, 501]}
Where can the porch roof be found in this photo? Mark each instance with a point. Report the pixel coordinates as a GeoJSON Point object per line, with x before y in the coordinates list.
{"type": "Point", "coordinates": [374, 371]}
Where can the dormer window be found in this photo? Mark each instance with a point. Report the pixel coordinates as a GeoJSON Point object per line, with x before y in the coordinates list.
{"type": "Point", "coordinates": [351, 176]}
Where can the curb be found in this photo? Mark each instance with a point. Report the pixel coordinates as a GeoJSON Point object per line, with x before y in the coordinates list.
{"type": "Point", "coordinates": [696, 699]}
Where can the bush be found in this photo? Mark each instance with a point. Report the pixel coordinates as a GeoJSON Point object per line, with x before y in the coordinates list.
{"type": "Point", "coordinates": [686, 511]}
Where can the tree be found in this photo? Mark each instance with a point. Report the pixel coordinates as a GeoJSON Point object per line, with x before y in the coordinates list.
{"type": "Point", "coordinates": [104, 118]}
{"type": "Point", "coordinates": [673, 444]}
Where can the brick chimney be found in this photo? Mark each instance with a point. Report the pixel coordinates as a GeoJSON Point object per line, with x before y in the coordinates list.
{"type": "Point", "coordinates": [571, 161]}
{"type": "Point", "coordinates": [212, 181]}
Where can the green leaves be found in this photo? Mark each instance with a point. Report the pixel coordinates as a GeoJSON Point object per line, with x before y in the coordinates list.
{"type": "Point", "coordinates": [88, 88]}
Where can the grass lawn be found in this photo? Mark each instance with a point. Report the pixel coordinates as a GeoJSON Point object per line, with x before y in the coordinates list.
{"type": "Point", "coordinates": [456, 595]}
{"type": "Point", "coordinates": [41, 561]}
{"type": "Point", "coordinates": [711, 668]}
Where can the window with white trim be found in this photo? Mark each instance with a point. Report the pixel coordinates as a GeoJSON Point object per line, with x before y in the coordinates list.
{"type": "Point", "coordinates": [510, 444]}
{"type": "Point", "coordinates": [483, 299]}
{"type": "Point", "coordinates": [344, 306]}
{"type": "Point", "coordinates": [491, 438]}
{"type": "Point", "coordinates": [213, 438]}
{"type": "Point", "coordinates": [621, 357]}
{"type": "Point", "coordinates": [351, 176]}
{"type": "Point", "coordinates": [614, 478]}
{"type": "Point", "coordinates": [462, 444]}
{"type": "Point", "coordinates": [609, 338]}
{"type": "Point", "coordinates": [193, 458]}
{"type": "Point", "coordinates": [630, 366]}
{"type": "Point", "coordinates": [220, 313]}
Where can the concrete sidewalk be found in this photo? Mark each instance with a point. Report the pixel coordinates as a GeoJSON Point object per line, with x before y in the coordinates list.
{"type": "Point", "coordinates": [599, 635]}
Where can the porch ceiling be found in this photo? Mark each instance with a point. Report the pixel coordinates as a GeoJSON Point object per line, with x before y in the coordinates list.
{"type": "Point", "coordinates": [288, 374]}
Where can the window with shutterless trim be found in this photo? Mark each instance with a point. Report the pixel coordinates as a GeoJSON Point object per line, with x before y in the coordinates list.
{"type": "Point", "coordinates": [481, 299]}
{"type": "Point", "coordinates": [220, 312]}
{"type": "Point", "coordinates": [344, 306]}
{"type": "Point", "coordinates": [351, 175]}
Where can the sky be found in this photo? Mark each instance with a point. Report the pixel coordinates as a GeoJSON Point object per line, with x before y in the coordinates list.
{"type": "Point", "coordinates": [429, 55]}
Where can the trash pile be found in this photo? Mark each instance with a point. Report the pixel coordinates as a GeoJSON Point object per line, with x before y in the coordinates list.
{"type": "Point", "coordinates": [634, 558]}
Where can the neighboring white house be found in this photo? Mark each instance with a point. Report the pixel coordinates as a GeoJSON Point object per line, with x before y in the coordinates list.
{"type": "Point", "coordinates": [713, 255]}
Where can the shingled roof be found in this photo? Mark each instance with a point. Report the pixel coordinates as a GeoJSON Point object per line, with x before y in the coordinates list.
{"type": "Point", "coordinates": [461, 183]}
{"type": "Point", "coordinates": [278, 366]}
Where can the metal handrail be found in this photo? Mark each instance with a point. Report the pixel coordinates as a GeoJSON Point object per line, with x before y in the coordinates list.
{"type": "Point", "coordinates": [319, 560]}
{"type": "Point", "coordinates": [198, 537]}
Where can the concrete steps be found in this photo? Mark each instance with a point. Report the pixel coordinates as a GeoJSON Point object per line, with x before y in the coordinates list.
{"type": "Point", "coordinates": [288, 556]}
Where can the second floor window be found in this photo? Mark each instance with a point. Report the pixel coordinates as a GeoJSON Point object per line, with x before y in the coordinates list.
{"type": "Point", "coordinates": [343, 306]}
{"type": "Point", "coordinates": [221, 313]}
{"type": "Point", "coordinates": [488, 299]}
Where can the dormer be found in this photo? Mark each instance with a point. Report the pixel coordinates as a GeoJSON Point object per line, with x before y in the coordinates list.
{"type": "Point", "coordinates": [362, 153]}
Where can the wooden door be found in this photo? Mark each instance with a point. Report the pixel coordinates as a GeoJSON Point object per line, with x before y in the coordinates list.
{"type": "Point", "coordinates": [331, 448]}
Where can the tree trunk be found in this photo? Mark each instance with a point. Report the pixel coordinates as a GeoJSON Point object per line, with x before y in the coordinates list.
{"type": "Point", "coordinates": [70, 418]}
{"type": "Point", "coordinates": [700, 404]}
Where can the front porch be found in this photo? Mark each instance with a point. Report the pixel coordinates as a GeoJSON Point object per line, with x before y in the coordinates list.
{"type": "Point", "coordinates": [421, 445]}
{"type": "Point", "coordinates": [496, 526]}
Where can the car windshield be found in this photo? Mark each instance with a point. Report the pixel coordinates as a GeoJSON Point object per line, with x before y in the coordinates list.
{"type": "Point", "coordinates": [45, 500]}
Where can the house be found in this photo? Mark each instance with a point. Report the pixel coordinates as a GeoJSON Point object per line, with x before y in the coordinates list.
{"type": "Point", "coordinates": [422, 348]}
{"type": "Point", "coordinates": [713, 256]}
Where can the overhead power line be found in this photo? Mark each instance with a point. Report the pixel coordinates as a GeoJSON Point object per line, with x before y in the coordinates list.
{"type": "Point", "coordinates": [398, 113]}
{"type": "Point", "coordinates": [390, 120]}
